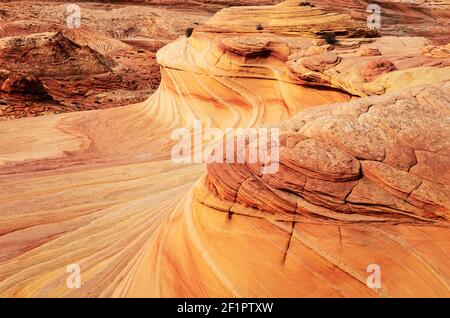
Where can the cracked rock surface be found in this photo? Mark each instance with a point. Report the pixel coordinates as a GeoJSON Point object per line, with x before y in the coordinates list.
{"type": "Point", "coordinates": [363, 178]}
{"type": "Point", "coordinates": [380, 159]}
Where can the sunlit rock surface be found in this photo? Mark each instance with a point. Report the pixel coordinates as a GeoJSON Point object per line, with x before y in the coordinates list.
{"type": "Point", "coordinates": [363, 175]}
{"type": "Point", "coordinates": [288, 51]}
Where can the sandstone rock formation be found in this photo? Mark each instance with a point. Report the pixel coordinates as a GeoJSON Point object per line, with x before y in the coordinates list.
{"type": "Point", "coordinates": [385, 156]}
{"type": "Point", "coordinates": [57, 55]}
{"type": "Point", "coordinates": [429, 18]}
{"type": "Point", "coordinates": [128, 35]}
{"type": "Point", "coordinates": [79, 70]}
{"type": "Point", "coordinates": [289, 51]}
{"type": "Point", "coordinates": [363, 177]}
{"type": "Point", "coordinates": [25, 85]}
{"type": "Point", "coordinates": [359, 183]}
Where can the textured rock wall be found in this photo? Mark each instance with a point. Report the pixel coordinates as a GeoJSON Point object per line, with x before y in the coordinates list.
{"type": "Point", "coordinates": [363, 179]}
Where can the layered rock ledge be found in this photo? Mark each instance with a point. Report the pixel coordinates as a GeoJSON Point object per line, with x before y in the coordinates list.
{"type": "Point", "coordinates": [380, 159]}
{"type": "Point", "coordinates": [363, 179]}
{"type": "Point", "coordinates": [360, 184]}
{"type": "Point", "coordinates": [293, 57]}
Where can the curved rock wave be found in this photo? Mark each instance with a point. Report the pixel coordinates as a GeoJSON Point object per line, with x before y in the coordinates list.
{"type": "Point", "coordinates": [361, 182]}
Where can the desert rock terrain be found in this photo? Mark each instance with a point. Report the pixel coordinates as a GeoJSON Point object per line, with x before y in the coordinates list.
{"type": "Point", "coordinates": [129, 35]}
{"type": "Point", "coordinates": [364, 121]}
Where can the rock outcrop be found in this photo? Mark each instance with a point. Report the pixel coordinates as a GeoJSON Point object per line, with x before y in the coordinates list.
{"type": "Point", "coordinates": [380, 159]}
{"type": "Point", "coordinates": [26, 85]}
{"type": "Point", "coordinates": [223, 57]}
{"type": "Point", "coordinates": [127, 36]}
{"type": "Point", "coordinates": [362, 182]}
{"type": "Point", "coordinates": [429, 18]}
{"type": "Point", "coordinates": [57, 55]}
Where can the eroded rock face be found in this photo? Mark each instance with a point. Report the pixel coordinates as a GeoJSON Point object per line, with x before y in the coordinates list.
{"type": "Point", "coordinates": [57, 55]}
{"type": "Point", "coordinates": [80, 69]}
{"type": "Point", "coordinates": [375, 68]}
{"type": "Point", "coordinates": [288, 43]}
{"type": "Point", "coordinates": [347, 183]}
{"type": "Point", "coordinates": [428, 18]}
{"type": "Point", "coordinates": [320, 62]}
{"type": "Point", "coordinates": [373, 160]}
{"type": "Point", "coordinates": [360, 183]}
{"type": "Point", "coordinates": [25, 85]}
{"type": "Point", "coordinates": [127, 34]}
{"type": "Point", "coordinates": [437, 50]}
{"type": "Point", "coordinates": [367, 51]}
{"type": "Point", "coordinates": [288, 17]}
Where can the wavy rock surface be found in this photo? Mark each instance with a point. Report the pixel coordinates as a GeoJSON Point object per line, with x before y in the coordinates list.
{"type": "Point", "coordinates": [74, 70]}
{"type": "Point", "coordinates": [360, 182]}
{"type": "Point", "coordinates": [429, 18]}
{"type": "Point", "coordinates": [385, 156]}
{"type": "Point", "coordinates": [287, 52]}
